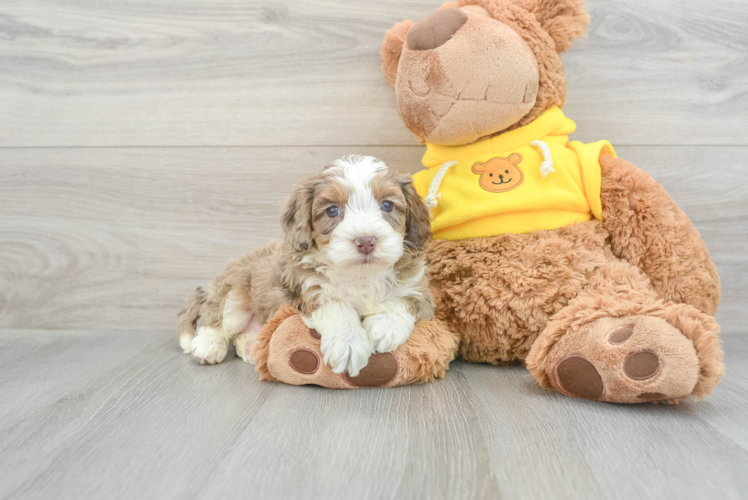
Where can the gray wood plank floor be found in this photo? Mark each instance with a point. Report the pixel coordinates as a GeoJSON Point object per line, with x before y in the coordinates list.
{"type": "Point", "coordinates": [143, 143]}
{"type": "Point", "coordinates": [87, 414]}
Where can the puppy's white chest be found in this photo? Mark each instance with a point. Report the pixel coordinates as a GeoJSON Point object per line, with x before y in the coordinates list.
{"type": "Point", "coordinates": [363, 293]}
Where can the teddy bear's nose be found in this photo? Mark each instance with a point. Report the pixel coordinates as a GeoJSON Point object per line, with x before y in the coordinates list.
{"type": "Point", "coordinates": [436, 30]}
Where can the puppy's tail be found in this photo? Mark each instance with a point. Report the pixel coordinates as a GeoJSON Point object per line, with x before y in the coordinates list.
{"type": "Point", "coordinates": [188, 316]}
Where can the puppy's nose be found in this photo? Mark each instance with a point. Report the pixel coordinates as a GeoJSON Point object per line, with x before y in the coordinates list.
{"type": "Point", "coordinates": [365, 244]}
{"type": "Point", "coordinates": [435, 30]}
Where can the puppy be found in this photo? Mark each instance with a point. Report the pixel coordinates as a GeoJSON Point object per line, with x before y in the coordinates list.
{"type": "Point", "coordinates": [351, 261]}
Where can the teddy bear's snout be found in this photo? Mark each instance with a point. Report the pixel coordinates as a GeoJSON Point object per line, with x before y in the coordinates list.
{"type": "Point", "coordinates": [435, 30]}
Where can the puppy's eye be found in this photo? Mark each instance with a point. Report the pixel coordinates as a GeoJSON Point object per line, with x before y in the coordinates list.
{"type": "Point", "coordinates": [387, 206]}
{"type": "Point", "coordinates": [333, 212]}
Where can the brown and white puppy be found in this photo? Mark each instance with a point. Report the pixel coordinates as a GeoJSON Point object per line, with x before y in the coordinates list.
{"type": "Point", "coordinates": [351, 262]}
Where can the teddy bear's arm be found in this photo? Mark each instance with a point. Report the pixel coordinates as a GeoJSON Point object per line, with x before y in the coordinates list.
{"type": "Point", "coordinates": [649, 230]}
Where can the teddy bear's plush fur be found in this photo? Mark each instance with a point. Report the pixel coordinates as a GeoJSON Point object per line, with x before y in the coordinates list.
{"type": "Point", "coordinates": [618, 308]}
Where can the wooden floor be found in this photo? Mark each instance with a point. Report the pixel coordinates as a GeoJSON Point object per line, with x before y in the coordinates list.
{"type": "Point", "coordinates": [143, 143]}
{"type": "Point", "coordinates": [88, 414]}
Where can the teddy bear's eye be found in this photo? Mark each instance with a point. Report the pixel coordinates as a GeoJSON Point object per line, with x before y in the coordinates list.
{"type": "Point", "coordinates": [333, 212]}
{"type": "Point", "coordinates": [490, 175]}
{"type": "Point", "coordinates": [506, 171]}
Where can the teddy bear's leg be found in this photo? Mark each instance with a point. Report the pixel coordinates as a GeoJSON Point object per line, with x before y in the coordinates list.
{"type": "Point", "coordinates": [617, 342]}
{"type": "Point", "coordinates": [287, 351]}
{"type": "Point", "coordinates": [648, 230]}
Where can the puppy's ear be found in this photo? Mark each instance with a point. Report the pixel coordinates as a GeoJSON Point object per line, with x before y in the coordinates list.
{"type": "Point", "coordinates": [297, 218]}
{"type": "Point", "coordinates": [392, 47]}
{"type": "Point", "coordinates": [564, 20]}
{"type": "Point", "coordinates": [417, 223]}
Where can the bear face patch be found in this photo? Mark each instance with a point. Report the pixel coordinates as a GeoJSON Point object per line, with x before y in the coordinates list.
{"type": "Point", "coordinates": [499, 175]}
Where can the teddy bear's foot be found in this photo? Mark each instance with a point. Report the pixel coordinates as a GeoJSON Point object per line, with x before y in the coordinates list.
{"type": "Point", "coordinates": [625, 360]}
{"type": "Point", "coordinates": [286, 350]}
{"type": "Point", "coordinates": [294, 357]}
{"type": "Point", "coordinates": [633, 359]}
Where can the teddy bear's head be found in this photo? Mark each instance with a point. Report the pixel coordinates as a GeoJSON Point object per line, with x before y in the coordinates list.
{"type": "Point", "coordinates": [476, 68]}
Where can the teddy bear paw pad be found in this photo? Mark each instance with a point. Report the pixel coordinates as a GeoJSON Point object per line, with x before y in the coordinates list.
{"type": "Point", "coordinates": [621, 335]}
{"type": "Point", "coordinates": [380, 370]}
{"type": "Point", "coordinates": [641, 365]}
{"type": "Point", "coordinates": [304, 361]}
{"type": "Point", "coordinates": [651, 396]}
{"type": "Point", "coordinates": [625, 360]}
{"type": "Point", "coordinates": [580, 378]}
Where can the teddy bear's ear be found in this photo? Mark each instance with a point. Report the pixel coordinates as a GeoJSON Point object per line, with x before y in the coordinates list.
{"type": "Point", "coordinates": [478, 168]}
{"type": "Point", "coordinates": [564, 20]}
{"type": "Point", "coordinates": [515, 158]}
{"type": "Point", "coordinates": [392, 47]}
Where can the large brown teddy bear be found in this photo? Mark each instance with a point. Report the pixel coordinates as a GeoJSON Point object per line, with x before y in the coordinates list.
{"type": "Point", "coordinates": [557, 254]}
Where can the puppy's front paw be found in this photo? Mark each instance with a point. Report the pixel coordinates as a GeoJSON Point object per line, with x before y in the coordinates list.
{"type": "Point", "coordinates": [387, 331]}
{"type": "Point", "coordinates": [208, 350]}
{"type": "Point", "coordinates": [345, 351]}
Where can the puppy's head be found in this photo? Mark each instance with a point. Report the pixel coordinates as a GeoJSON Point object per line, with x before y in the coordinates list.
{"type": "Point", "coordinates": [356, 217]}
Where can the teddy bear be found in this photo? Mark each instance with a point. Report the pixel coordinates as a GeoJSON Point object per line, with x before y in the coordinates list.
{"type": "Point", "coordinates": [548, 252]}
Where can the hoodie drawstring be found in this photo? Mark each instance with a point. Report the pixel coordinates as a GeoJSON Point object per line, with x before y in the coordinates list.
{"type": "Point", "coordinates": [435, 183]}
{"type": "Point", "coordinates": [547, 166]}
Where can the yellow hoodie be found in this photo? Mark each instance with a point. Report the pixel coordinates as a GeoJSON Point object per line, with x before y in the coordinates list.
{"type": "Point", "coordinates": [523, 180]}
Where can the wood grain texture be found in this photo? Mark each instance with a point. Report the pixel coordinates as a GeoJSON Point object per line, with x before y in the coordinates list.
{"type": "Point", "coordinates": [91, 414]}
{"type": "Point", "coordinates": [293, 72]}
{"type": "Point", "coordinates": [116, 238]}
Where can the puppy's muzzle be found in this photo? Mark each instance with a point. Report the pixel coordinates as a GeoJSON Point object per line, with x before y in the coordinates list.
{"type": "Point", "coordinates": [365, 244]}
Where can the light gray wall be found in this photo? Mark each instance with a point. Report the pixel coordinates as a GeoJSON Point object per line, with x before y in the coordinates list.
{"type": "Point", "coordinates": [144, 143]}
